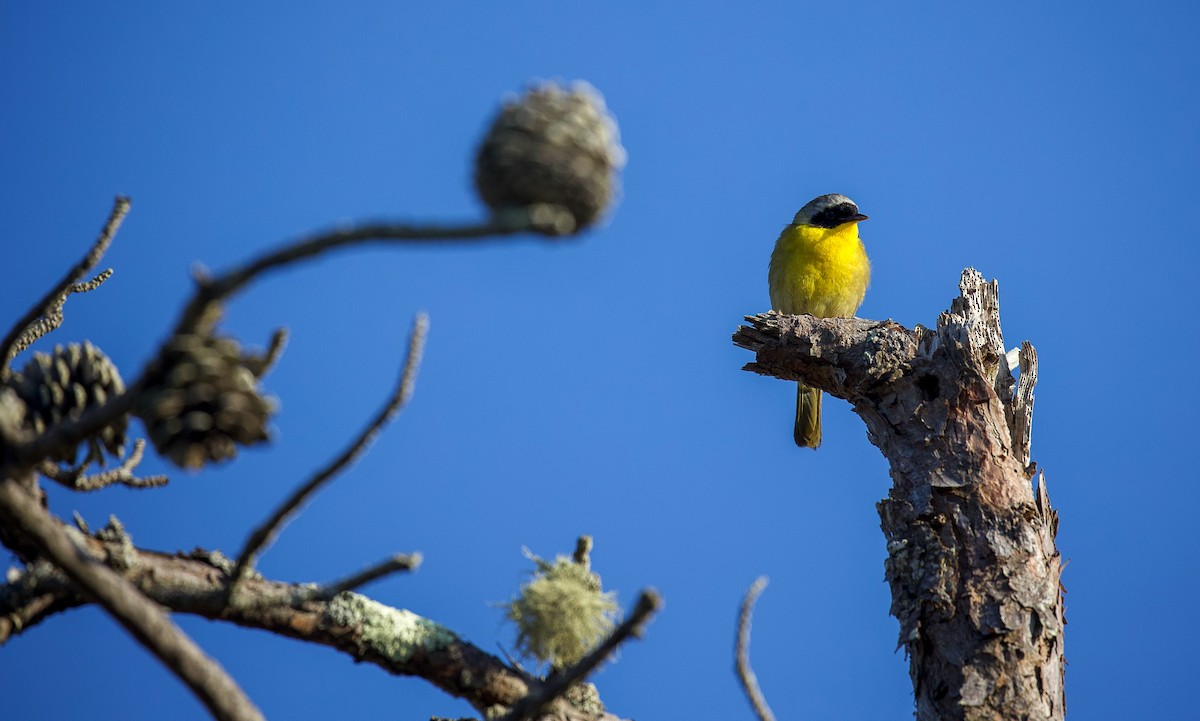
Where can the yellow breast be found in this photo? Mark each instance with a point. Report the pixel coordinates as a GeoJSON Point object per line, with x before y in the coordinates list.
{"type": "Point", "coordinates": [821, 271]}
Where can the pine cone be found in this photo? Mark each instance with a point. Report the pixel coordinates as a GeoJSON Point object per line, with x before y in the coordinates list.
{"type": "Point", "coordinates": [552, 146]}
{"type": "Point", "coordinates": [62, 385]}
{"type": "Point", "coordinates": [202, 401]}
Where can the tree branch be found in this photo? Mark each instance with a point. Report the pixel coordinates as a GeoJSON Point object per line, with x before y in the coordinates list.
{"type": "Point", "coordinates": [49, 309]}
{"type": "Point", "coordinates": [264, 534]}
{"type": "Point", "coordinates": [77, 480]}
{"type": "Point", "coordinates": [112, 574]}
{"type": "Point", "coordinates": [145, 621]}
{"type": "Point", "coordinates": [398, 641]}
{"type": "Point", "coordinates": [69, 435]}
{"type": "Point", "coordinates": [395, 640]}
{"type": "Point", "coordinates": [745, 674]}
{"type": "Point", "coordinates": [974, 574]}
{"type": "Point", "coordinates": [394, 564]}
{"type": "Point", "coordinates": [32, 594]}
{"type": "Point", "coordinates": [211, 291]}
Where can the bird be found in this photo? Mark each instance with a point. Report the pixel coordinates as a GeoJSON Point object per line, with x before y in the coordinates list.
{"type": "Point", "coordinates": [819, 267]}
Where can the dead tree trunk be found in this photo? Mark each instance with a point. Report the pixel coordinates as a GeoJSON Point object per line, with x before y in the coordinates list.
{"type": "Point", "coordinates": [971, 560]}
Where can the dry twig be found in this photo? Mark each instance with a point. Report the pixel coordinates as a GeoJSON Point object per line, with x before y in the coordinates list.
{"type": "Point", "coordinates": [745, 674]}
{"type": "Point", "coordinates": [393, 564]}
{"type": "Point", "coordinates": [215, 290]}
{"type": "Point", "coordinates": [211, 291]}
{"type": "Point", "coordinates": [77, 480]}
{"type": "Point", "coordinates": [265, 533]}
{"type": "Point", "coordinates": [46, 314]}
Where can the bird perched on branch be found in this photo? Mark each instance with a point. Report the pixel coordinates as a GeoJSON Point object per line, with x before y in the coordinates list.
{"type": "Point", "coordinates": [819, 267]}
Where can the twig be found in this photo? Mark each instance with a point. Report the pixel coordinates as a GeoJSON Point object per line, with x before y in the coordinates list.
{"type": "Point", "coordinates": [261, 365]}
{"type": "Point", "coordinates": [77, 480]}
{"type": "Point", "coordinates": [213, 290]}
{"type": "Point", "coordinates": [18, 338]}
{"type": "Point", "coordinates": [53, 317]}
{"type": "Point", "coordinates": [265, 533]}
{"type": "Point", "coordinates": [71, 434]}
{"type": "Point", "coordinates": [583, 550]}
{"type": "Point", "coordinates": [144, 619]}
{"type": "Point", "coordinates": [744, 673]}
{"type": "Point", "coordinates": [529, 706]}
{"type": "Point", "coordinates": [398, 562]}
{"type": "Point", "coordinates": [32, 593]}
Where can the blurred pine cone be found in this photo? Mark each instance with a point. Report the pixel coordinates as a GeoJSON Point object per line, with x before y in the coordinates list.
{"type": "Point", "coordinates": [552, 146]}
{"type": "Point", "coordinates": [202, 401]}
{"type": "Point", "coordinates": [62, 385]}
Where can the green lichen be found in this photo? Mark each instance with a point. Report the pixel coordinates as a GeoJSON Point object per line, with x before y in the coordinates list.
{"type": "Point", "coordinates": [394, 633]}
{"type": "Point", "coordinates": [562, 613]}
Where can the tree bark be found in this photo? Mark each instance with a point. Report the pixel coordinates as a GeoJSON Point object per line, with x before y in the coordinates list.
{"type": "Point", "coordinates": [972, 565]}
{"type": "Point", "coordinates": [21, 512]}
{"type": "Point", "coordinates": [393, 639]}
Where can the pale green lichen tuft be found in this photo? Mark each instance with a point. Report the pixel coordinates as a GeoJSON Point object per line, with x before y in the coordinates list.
{"type": "Point", "coordinates": [562, 612]}
{"type": "Point", "coordinates": [394, 633]}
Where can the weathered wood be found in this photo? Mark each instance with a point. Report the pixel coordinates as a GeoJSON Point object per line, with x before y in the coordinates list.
{"type": "Point", "coordinates": [974, 573]}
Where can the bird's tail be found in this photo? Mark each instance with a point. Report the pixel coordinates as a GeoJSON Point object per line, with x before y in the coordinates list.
{"type": "Point", "coordinates": [808, 416]}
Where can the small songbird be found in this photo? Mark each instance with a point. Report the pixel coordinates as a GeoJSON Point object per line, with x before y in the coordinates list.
{"type": "Point", "coordinates": [819, 267]}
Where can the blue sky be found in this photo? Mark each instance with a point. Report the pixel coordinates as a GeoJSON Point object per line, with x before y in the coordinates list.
{"type": "Point", "coordinates": [589, 385]}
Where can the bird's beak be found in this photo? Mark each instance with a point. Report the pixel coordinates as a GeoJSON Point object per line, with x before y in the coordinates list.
{"type": "Point", "coordinates": [858, 218]}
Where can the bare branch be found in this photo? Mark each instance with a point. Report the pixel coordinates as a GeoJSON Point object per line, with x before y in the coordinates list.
{"type": "Point", "coordinates": [745, 674]}
{"type": "Point", "coordinates": [144, 619]}
{"type": "Point", "coordinates": [77, 480]}
{"type": "Point", "coordinates": [265, 533]}
{"type": "Point", "coordinates": [53, 317]}
{"type": "Point", "coordinates": [31, 594]}
{"type": "Point", "coordinates": [532, 704]}
{"type": "Point", "coordinates": [210, 291]}
{"type": "Point", "coordinates": [46, 314]}
{"type": "Point", "coordinates": [71, 434]}
{"type": "Point", "coordinates": [214, 290]}
{"type": "Point", "coordinates": [393, 639]}
{"type": "Point", "coordinates": [263, 364]}
{"type": "Point", "coordinates": [393, 564]}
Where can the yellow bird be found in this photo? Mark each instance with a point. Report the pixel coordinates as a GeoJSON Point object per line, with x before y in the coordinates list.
{"type": "Point", "coordinates": [819, 267]}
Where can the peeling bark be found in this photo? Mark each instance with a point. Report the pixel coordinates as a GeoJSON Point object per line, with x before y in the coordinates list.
{"type": "Point", "coordinates": [972, 565]}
